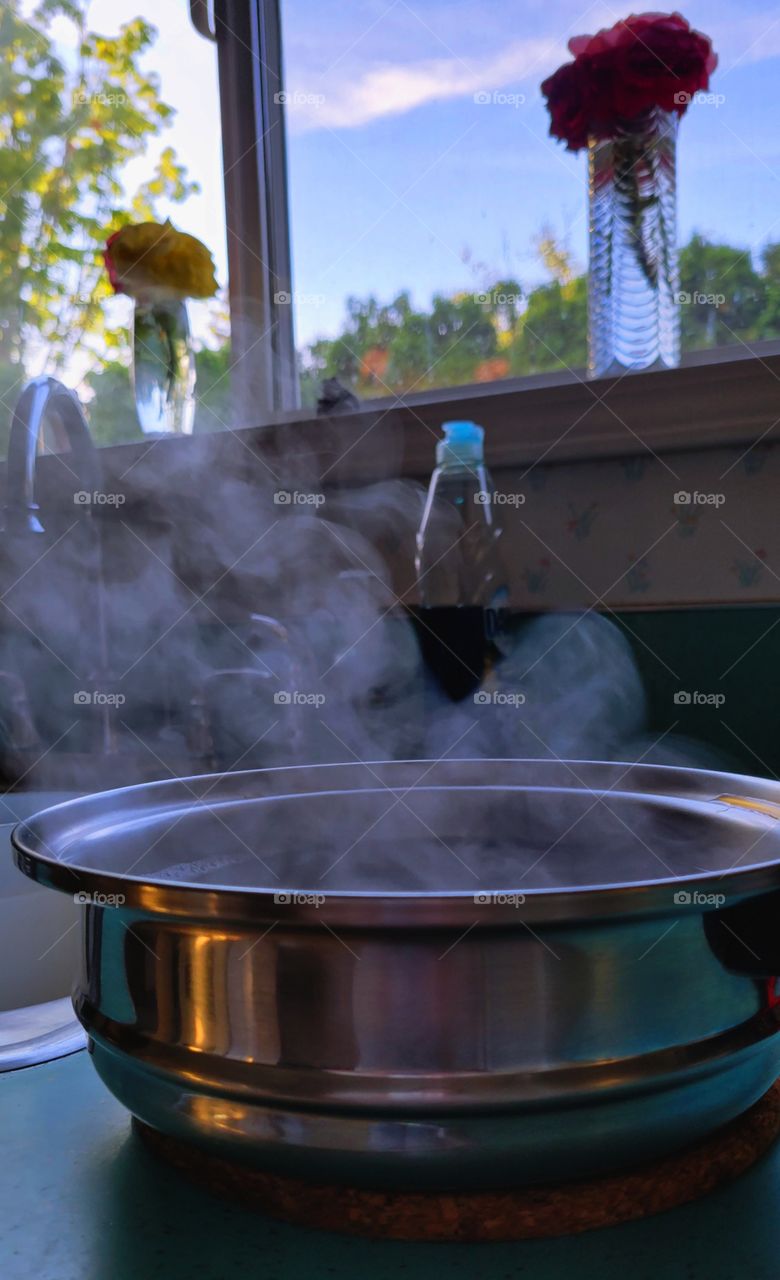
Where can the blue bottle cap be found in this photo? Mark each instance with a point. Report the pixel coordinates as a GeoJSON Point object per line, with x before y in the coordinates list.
{"type": "Point", "coordinates": [462, 443]}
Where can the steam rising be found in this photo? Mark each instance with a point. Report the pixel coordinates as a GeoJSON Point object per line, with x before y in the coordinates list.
{"type": "Point", "coordinates": [298, 650]}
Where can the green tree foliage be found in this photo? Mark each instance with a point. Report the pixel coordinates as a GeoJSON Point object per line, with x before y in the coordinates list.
{"type": "Point", "coordinates": [69, 125]}
{"type": "Point", "coordinates": [723, 295]}
{"type": "Point", "coordinates": [769, 320]}
{"type": "Point", "coordinates": [396, 348]}
{"type": "Point", "coordinates": [552, 333]}
{"type": "Point", "coordinates": [480, 336]}
{"type": "Point", "coordinates": [214, 411]}
{"type": "Point", "coordinates": [502, 331]}
{"type": "Point", "coordinates": [111, 410]}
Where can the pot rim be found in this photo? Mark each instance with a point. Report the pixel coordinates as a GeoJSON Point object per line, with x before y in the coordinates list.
{"type": "Point", "coordinates": [752, 804]}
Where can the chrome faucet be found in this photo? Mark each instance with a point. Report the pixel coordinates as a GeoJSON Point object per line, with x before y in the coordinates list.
{"type": "Point", "coordinates": [43, 401]}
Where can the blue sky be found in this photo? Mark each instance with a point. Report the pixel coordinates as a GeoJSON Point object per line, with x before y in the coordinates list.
{"type": "Point", "coordinates": [399, 179]}
{"type": "Point", "coordinates": [398, 112]}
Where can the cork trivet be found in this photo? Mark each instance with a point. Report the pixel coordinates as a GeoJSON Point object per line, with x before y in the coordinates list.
{"type": "Point", "coordinates": [521, 1214]}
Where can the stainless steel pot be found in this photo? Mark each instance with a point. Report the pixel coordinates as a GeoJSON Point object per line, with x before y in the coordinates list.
{"type": "Point", "coordinates": [610, 998]}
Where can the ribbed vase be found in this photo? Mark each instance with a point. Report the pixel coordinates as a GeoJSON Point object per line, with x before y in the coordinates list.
{"type": "Point", "coordinates": [633, 315]}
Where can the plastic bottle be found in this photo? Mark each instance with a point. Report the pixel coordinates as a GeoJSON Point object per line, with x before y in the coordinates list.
{"type": "Point", "coordinates": [460, 577]}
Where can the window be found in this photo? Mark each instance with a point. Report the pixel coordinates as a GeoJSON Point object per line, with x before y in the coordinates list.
{"type": "Point", "coordinates": [375, 181]}
{"type": "Point", "coordinates": [108, 109]}
{"type": "Point", "coordinates": [439, 235]}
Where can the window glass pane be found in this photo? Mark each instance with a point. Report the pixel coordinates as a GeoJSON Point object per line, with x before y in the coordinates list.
{"type": "Point", "coordinates": [440, 235]}
{"type": "Point", "coordinates": [109, 113]}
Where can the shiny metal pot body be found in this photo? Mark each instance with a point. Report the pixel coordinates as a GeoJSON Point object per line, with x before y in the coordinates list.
{"type": "Point", "coordinates": [491, 1037]}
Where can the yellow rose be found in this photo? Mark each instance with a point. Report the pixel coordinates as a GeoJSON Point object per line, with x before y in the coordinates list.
{"type": "Point", "coordinates": [152, 260]}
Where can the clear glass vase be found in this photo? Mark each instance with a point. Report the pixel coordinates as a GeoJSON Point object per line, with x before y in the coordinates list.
{"type": "Point", "coordinates": [163, 368]}
{"type": "Point", "coordinates": [633, 310]}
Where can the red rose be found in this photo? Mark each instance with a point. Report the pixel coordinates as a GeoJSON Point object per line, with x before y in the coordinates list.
{"type": "Point", "coordinates": [566, 100]}
{"type": "Point", "coordinates": [647, 60]}
{"type": "Point", "coordinates": [662, 63]}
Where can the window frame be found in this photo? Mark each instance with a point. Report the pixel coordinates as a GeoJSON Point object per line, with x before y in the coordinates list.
{"type": "Point", "coordinates": [247, 35]}
{"type": "Point", "coordinates": [716, 396]}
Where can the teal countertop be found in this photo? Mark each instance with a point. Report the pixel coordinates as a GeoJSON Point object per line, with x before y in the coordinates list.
{"type": "Point", "coordinates": [82, 1199]}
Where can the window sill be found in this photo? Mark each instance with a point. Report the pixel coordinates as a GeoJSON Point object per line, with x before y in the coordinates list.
{"type": "Point", "coordinates": [715, 398]}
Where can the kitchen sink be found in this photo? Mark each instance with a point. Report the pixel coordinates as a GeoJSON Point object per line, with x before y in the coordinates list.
{"type": "Point", "coordinates": [39, 949]}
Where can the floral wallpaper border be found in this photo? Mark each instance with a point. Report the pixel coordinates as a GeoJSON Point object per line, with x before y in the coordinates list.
{"type": "Point", "coordinates": [645, 531]}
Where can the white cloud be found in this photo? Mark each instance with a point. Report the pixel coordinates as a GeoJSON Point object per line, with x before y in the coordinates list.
{"type": "Point", "coordinates": [746, 40]}
{"type": "Point", "coordinates": [344, 101]}
{"type": "Point", "coordinates": [350, 97]}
